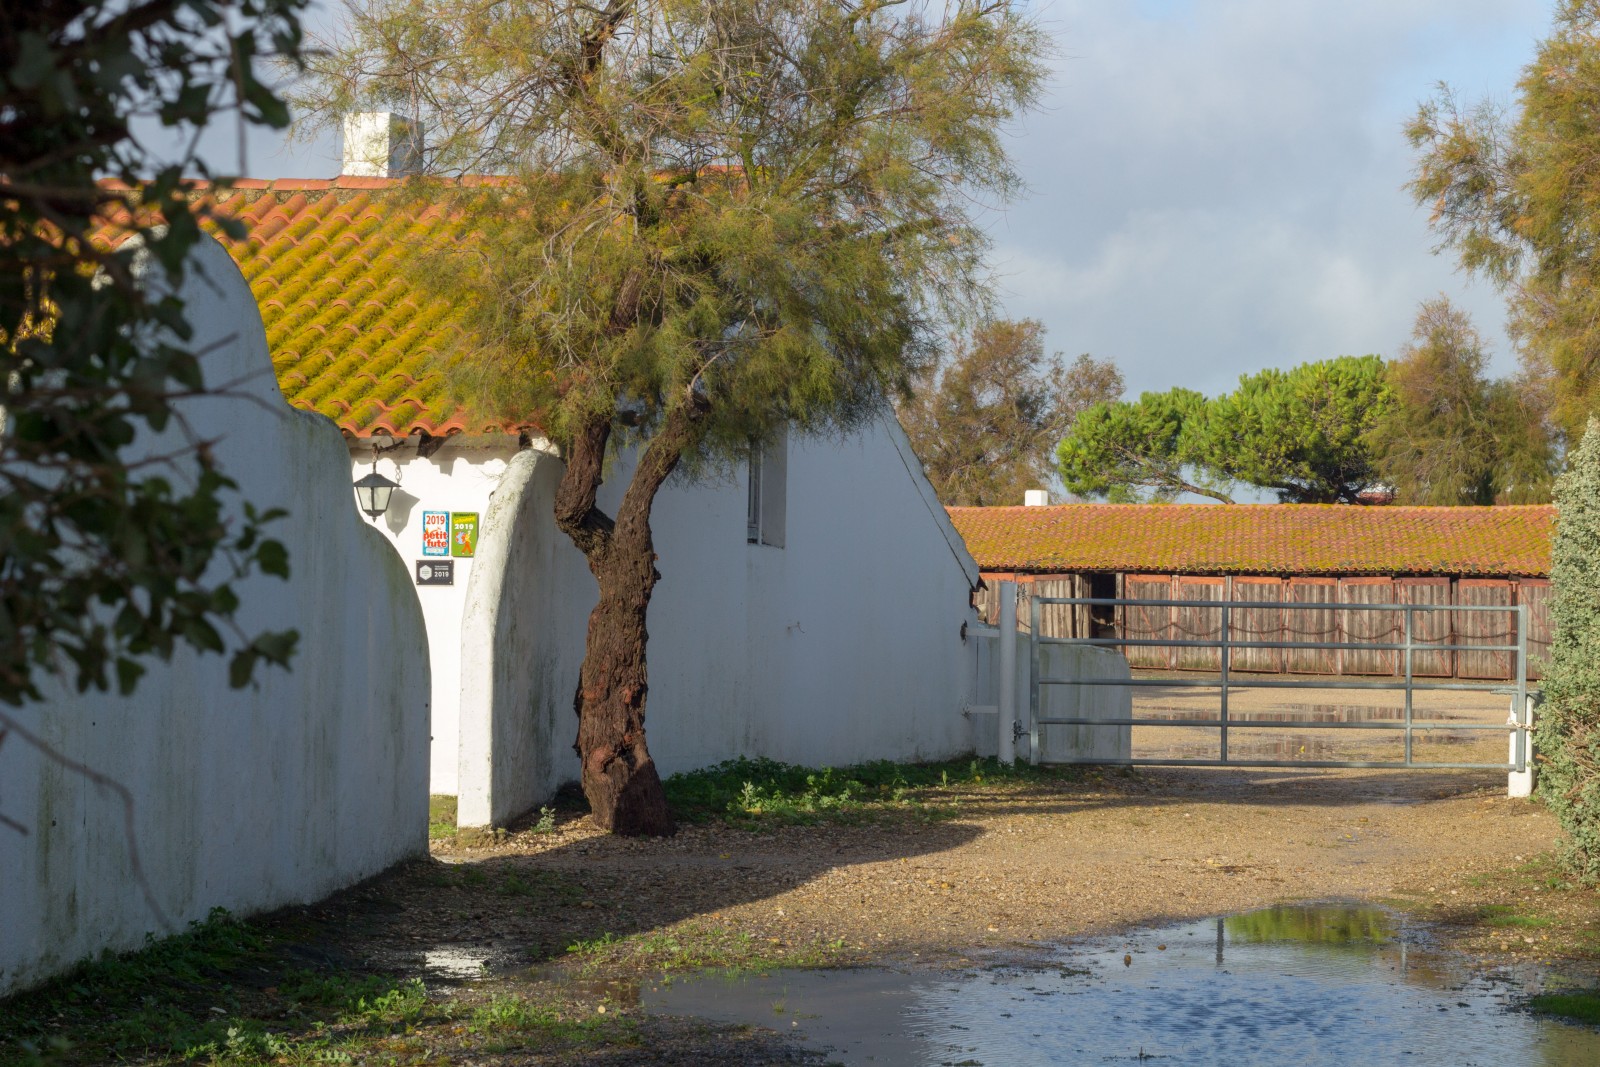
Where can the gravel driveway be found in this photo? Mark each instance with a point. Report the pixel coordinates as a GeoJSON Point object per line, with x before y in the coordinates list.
{"type": "Point", "coordinates": [583, 918]}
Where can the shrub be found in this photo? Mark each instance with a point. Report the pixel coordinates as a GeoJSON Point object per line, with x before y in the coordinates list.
{"type": "Point", "coordinates": [1567, 736]}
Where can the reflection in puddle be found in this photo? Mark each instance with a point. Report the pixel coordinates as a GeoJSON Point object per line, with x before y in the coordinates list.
{"type": "Point", "coordinates": [1292, 985]}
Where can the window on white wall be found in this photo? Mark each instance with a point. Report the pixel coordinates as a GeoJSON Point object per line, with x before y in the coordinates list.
{"type": "Point", "coordinates": [766, 499]}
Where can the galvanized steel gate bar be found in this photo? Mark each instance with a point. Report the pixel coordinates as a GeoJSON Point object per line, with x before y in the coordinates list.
{"type": "Point", "coordinates": [1517, 722]}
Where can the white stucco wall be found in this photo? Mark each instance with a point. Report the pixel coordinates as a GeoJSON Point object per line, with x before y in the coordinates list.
{"type": "Point", "coordinates": [844, 645]}
{"type": "Point", "coordinates": [244, 799]}
{"type": "Point", "coordinates": [519, 674]}
{"type": "Point", "coordinates": [460, 476]}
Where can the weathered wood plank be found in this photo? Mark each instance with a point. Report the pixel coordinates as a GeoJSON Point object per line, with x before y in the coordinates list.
{"type": "Point", "coordinates": [1484, 628]}
{"type": "Point", "coordinates": [1308, 624]}
{"type": "Point", "coordinates": [1149, 623]}
{"type": "Point", "coordinates": [1428, 627]}
{"type": "Point", "coordinates": [1535, 592]}
{"type": "Point", "coordinates": [1257, 624]}
{"type": "Point", "coordinates": [1358, 627]}
{"type": "Point", "coordinates": [1199, 623]}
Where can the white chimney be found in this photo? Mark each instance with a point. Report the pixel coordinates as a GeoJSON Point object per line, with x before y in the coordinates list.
{"type": "Point", "coordinates": [1036, 498]}
{"type": "Point", "coordinates": [381, 144]}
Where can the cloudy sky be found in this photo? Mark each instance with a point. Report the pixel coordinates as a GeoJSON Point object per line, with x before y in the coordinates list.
{"type": "Point", "coordinates": [1216, 184]}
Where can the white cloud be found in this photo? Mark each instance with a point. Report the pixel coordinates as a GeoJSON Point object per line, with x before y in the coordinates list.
{"type": "Point", "coordinates": [1217, 186]}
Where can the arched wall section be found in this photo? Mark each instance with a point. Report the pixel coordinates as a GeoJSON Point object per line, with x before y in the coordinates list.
{"type": "Point", "coordinates": [244, 799]}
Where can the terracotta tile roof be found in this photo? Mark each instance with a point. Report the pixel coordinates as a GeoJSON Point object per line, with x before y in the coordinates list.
{"type": "Point", "coordinates": [1283, 539]}
{"type": "Point", "coordinates": [350, 338]}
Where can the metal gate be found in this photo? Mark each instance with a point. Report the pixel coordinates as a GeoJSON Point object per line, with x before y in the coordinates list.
{"type": "Point", "coordinates": [1227, 681]}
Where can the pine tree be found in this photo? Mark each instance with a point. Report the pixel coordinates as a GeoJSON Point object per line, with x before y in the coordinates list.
{"type": "Point", "coordinates": [1567, 736]}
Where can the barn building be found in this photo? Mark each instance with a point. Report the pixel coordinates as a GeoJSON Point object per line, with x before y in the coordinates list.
{"type": "Point", "coordinates": [1278, 555]}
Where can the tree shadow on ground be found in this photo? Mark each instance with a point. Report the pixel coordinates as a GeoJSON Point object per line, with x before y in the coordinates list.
{"type": "Point", "coordinates": [525, 900]}
{"type": "Point", "coordinates": [523, 906]}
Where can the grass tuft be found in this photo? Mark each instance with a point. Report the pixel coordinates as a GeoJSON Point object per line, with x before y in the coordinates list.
{"type": "Point", "coordinates": [130, 1000]}
{"type": "Point", "coordinates": [762, 792]}
{"type": "Point", "coordinates": [441, 817]}
{"type": "Point", "coordinates": [1506, 917]}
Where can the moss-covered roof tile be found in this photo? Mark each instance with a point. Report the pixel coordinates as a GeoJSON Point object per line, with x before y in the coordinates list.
{"type": "Point", "coordinates": [350, 337]}
{"type": "Point", "coordinates": [1282, 539]}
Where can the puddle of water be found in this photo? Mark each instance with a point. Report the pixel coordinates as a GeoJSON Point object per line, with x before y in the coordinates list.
{"type": "Point", "coordinates": [1307, 986]}
{"type": "Point", "coordinates": [455, 961]}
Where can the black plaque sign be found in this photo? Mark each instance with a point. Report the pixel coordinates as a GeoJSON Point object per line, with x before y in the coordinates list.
{"type": "Point", "coordinates": [436, 572]}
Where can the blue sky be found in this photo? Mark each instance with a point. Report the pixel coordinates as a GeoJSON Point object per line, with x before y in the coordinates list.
{"type": "Point", "coordinates": [1216, 184]}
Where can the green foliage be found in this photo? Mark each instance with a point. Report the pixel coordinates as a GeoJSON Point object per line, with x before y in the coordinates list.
{"type": "Point", "coordinates": [1454, 436]}
{"type": "Point", "coordinates": [519, 1015]}
{"type": "Point", "coordinates": [763, 792]}
{"type": "Point", "coordinates": [227, 992]}
{"type": "Point", "coordinates": [751, 212]}
{"type": "Point", "coordinates": [1567, 731]}
{"type": "Point", "coordinates": [697, 946]}
{"type": "Point", "coordinates": [1117, 448]}
{"type": "Point", "coordinates": [1302, 432]}
{"type": "Point", "coordinates": [441, 817]}
{"type": "Point", "coordinates": [985, 418]}
{"type": "Point", "coordinates": [131, 999]}
{"type": "Point", "coordinates": [1504, 916]}
{"type": "Point", "coordinates": [110, 554]}
{"type": "Point", "coordinates": [1516, 195]}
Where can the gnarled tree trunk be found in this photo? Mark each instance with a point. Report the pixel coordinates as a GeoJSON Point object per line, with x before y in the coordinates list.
{"type": "Point", "coordinates": [619, 777]}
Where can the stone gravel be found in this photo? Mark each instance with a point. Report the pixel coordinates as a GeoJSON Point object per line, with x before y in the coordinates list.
{"type": "Point", "coordinates": [1002, 871]}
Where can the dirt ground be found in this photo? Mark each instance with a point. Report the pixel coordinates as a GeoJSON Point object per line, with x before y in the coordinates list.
{"type": "Point", "coordinates": [533, 946]}
{"type": "Point", "coordinates": [1021, 865]}
{"type": "Point", "coordinates": [1000, 871]}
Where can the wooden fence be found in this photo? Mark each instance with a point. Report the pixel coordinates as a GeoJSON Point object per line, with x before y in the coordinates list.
{"type": "Point", "coordinates": [1277, 619]}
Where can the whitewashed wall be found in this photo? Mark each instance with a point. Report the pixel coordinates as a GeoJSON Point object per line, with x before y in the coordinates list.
{"type": "Point", "coordinates": [525, 603]}
{"type": "Point", "coordinates": [245, 799]}
{"type": "Point", "coordinates": [844, 645]}
{"type": "Point", "coordinates": [460, 476]}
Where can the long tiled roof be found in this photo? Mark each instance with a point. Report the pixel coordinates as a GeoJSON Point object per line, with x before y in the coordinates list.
{"type": "Point", "coordinates": [350, 336]}
{"type": "Point", "coordinates": [1283, 539]}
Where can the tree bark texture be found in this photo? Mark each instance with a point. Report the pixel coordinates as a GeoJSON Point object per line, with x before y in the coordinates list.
{"type": "Point", "coordinates": [619, 777]}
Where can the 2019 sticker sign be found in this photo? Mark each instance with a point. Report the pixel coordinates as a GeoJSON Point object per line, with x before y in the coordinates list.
{"type": "Point", "coordinates": [435, 533]}
{"type": "Point", "coordinates": [463, 533]}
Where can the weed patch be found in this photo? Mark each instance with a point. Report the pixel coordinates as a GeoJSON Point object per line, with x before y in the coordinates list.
{"type": "Point", "coordinates": [514, 1014]}
{"type": "Point", "coordinates": [222, 994]}
{"type": "Point", "coordinates": [441, 817]}
{"type": "Point", "coordinates": [1507, 917]}
{"type": "Point", "coordinates": [763, 792]}
{"type": "Point", "coordinates": [129, 1002]}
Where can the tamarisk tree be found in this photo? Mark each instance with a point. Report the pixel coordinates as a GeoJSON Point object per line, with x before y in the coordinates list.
{"type": "Point", "coordinates": [705, 220]}
{"type": "Point", "coordinates": [1514, 193]}
{"type": "Point", "coordinates": [1567, 735]}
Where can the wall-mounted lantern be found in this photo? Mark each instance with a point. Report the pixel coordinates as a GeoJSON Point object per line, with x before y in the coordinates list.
{"type": "Point", "coordinates": [373, 492]}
